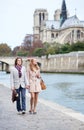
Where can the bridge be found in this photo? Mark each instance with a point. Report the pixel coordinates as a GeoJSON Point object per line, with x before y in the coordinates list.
{"type": "Point", "coordinates": [7, 62]}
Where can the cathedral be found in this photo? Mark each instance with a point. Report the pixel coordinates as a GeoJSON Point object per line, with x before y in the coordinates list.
{"type": "Point", "coordinates": [62, 29]}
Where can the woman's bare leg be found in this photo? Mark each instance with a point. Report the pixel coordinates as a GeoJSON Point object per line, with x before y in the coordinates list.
{"type": "Point", "coordinates": [31, 102]}
{"type": "Point", "coordinates": [35, 101]}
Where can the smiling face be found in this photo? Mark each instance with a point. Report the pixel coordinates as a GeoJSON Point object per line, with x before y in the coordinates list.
{"type": "Point", "coordinates": [18, 61]}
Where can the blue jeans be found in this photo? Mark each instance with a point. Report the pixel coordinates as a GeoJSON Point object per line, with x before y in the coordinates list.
{"type": "Point", "coordinates": [21, 101]}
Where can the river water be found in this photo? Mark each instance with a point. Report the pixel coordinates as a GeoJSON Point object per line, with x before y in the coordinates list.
{"type": "Point", "coordinates": [64, 89]}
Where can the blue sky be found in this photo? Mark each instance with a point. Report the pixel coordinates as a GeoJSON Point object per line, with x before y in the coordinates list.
{"type": "Point", "coordinates": [16, 16]}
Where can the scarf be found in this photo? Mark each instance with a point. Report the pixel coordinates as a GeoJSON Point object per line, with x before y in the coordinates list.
{"type": "Point", "coordinates": [18, 67]}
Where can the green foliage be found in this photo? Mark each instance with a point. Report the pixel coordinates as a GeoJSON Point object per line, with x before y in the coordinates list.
{"type": "Point", "coordinates": [46, 45]}
{"type": "Point", "coordinates": [52, 48]}
{"type": "Point", "coordinates": [22, 53]}
{"type": "Point", "coordinates": [56, 48]}
{"type": "Point", "coordinates": [65, 48]}
{"type": "Point", "coordinates": [5, 50]}
{"type": "Point", "coordinates": [49, 48]}
{"type": "Point", "coordinates": [39, 52]}
{"type": "Point", "coordinates": [79, 46]}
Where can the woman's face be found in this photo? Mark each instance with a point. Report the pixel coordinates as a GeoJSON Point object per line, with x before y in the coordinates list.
{"type": "Point", "coordinates": [34, 61]}
{"type": "Point", "coordinates": [19, 62]}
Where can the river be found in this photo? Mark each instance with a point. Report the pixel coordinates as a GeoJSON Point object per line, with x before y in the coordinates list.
{"type": "Point", "coordinates": [64, 89]}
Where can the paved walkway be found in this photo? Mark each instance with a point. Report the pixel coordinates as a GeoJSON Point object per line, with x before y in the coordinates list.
{"type": "Point", "coordinates": [49, 116]}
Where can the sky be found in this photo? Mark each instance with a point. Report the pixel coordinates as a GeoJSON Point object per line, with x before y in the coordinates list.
{"type": "Point", "coordinates": [16, 17]}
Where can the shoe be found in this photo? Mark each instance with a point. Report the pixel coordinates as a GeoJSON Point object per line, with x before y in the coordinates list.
{"type": "Point", "coordinates": [19, 112]}
{"type": "Point", "coordinates": [34, 112]}
{"type": "Point", "coordinates": [30, 111]}
{"type": "Point", "coordinates": [23, 112]}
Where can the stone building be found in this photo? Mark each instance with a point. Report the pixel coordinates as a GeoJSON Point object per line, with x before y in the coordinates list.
{"type": "Point", "coordinates": [63, 29]}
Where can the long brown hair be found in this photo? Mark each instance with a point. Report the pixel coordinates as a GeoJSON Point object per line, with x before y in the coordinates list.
{"type": "Point", "coordinates": [33, 66]}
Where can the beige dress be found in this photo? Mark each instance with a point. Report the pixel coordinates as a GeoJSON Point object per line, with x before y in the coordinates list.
{"type": "Point", "coordinates": [34, 82]}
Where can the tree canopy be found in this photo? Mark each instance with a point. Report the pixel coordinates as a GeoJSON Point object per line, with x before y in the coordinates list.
{"type": "Point", "coordinates": [5, 50]}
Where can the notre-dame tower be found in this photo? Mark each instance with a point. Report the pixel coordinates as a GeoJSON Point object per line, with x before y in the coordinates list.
{"type": "Point", "coordinates": [39, 16]}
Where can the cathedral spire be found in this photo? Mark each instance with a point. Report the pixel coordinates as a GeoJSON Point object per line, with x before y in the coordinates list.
{"type": "Point", "coordinates": [63, 15]}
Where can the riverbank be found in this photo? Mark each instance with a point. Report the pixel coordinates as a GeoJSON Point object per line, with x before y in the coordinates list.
{"type": "Point", "coordinates": [49, 116]}
{"type": "Point", "coordinates": [64, 89]}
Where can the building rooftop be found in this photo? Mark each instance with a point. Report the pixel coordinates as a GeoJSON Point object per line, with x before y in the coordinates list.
{"type": "Point", "coordinates": [72, 21]}
{"type": "Point", "coordinates": [51, 24]}
{"type": "Point", "coordinates": [69, 22]}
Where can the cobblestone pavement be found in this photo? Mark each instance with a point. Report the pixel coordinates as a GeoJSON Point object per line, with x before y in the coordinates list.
{"type": "Point", "coordinates": [47, 117]}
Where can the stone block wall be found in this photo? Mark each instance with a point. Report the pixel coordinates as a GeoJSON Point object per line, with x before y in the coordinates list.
{"type": "Point", "coordinates": [70, 62]}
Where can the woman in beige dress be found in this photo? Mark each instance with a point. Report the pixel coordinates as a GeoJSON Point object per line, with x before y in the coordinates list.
{"type": "Point", "coordinates": [34, 83]}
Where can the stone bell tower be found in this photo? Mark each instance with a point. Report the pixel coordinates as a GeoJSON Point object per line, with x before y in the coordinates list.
{"type": "Point", "coordinates": [39, 16]}
{"type": "Point", "coordinates": [57, 14]}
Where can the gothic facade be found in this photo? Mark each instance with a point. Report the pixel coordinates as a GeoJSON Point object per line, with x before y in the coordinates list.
{"type": "Point", "coordinates": [63, 29]}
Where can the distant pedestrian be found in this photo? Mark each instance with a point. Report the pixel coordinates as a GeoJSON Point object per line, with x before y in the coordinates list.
{"type": "Point", "coordinates": [34, 84]}
{"type": "Point", "coordinates": [19, 82]}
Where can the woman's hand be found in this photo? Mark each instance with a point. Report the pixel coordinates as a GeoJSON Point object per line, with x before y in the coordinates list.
{"type": "Point", "coordinates": [27, 87]}
{"type": "Point", "coordinates": [38, 76]}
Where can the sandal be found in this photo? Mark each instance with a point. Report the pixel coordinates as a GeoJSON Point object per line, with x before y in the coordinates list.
{"type": "Point", "coordinates": [30, 111]}
{"type": "Point", "coordinates": [34, 112]}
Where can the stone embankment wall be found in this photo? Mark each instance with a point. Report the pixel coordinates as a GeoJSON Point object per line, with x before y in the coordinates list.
{"type": "Point", "coordinates": [70, 62]}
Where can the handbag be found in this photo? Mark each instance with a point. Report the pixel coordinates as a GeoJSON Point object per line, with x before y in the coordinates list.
{"type": "Point", "coordinates": [14, 95]}
{"type": "Point", "coordinates": [43, 86]}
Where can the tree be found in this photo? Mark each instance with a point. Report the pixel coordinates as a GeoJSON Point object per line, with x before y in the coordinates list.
{"type": "Point", "coordinates": [22, 53]}
{"type": "Point", "coordinates": [79, 46]}
{"type": "Point", "coordinates": [65, 48]}
{"type": "Point", "coordinates": [15, 50]}
{"type": "Point", "coordinates": [50, 50]}
{"type": "Point", "coordinates": [5, 50]}
{"type": "Point", "coordinates": [39, 52]}
{"type": "Point", "coordinates": [31, 43]}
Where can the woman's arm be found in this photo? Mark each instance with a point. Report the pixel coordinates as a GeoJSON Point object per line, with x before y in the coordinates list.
{"type": "Point", "coordinates": [38, 74]}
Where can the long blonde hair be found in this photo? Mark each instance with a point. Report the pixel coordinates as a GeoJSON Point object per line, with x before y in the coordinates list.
{"type": "Point", "coordinates": [33, 66]}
